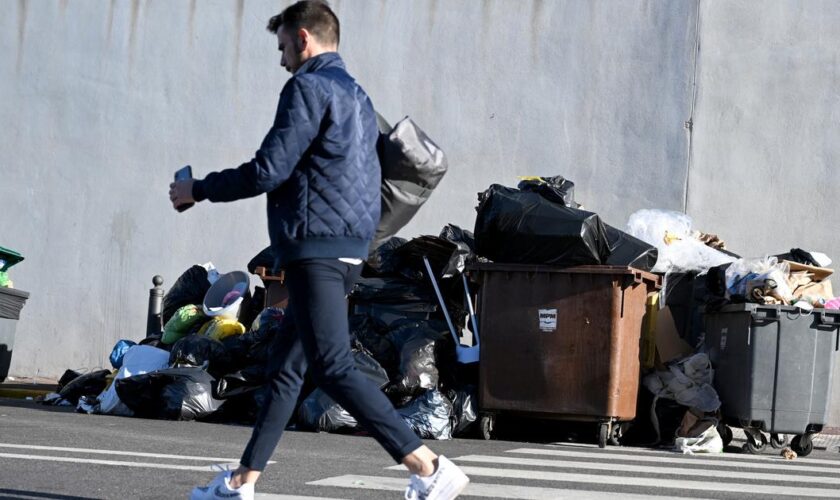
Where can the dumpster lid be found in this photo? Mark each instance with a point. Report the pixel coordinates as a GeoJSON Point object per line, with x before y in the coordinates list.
{"type": "Point", "coordinates": [11, 302]}
{"type": "Point", "coordinates": [638, 275]}
{"type": "Point", "coordinates": [8, 258]}
{"type": "Point", "coordinates": [753, 307]}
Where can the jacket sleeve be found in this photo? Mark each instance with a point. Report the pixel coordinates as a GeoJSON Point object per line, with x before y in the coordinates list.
{"type": "Point", "coordinates": [296, 124]}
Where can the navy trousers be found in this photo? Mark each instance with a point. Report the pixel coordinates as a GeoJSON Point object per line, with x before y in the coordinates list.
{"type": "Point", "coordinates": [320, 341]}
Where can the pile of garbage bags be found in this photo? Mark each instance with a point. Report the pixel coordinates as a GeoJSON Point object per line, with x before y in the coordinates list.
{"type": "Point", "coordinates": [213, 368]}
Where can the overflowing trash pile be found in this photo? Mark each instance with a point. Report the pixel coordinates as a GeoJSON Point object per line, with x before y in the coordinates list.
{"type": "Point", "coordinates": [414, 330]}
{"type": "Point", "coordinates": [207, 365]}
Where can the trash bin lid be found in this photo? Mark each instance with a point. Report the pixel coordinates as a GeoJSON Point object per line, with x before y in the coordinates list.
{"type": "Point", "coordinates": [8, 258]}
{"type": "Point", "coordinates": [11, 302]}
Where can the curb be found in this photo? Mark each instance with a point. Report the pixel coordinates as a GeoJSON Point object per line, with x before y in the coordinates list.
{"type": "Point", "coordinates": [23, 391]}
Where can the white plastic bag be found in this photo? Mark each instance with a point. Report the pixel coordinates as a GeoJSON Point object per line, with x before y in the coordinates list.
{"type": "Point", "coordinates": [688, 382]}
{"type": "Point", "coordinates": [138, 360]}
{"type": "Point", "coordinates": [744, 274]}
{"type": "Point", "coordinates": [708, 442]}
{"type": "Point", "coordinates": [671, 234]}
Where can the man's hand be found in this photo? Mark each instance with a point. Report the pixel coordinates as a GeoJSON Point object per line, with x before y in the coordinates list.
{"type": "Point", "coordinates": [180, 193]}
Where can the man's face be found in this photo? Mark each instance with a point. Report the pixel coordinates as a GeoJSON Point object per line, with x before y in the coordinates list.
{"type": "Point", "coordinates": [290, 49]}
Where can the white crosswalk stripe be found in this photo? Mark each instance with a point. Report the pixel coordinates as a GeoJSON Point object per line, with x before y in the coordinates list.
{"type": "Point", "coordinates": [646, 469]}
{"type": "Point", "coordinates": [765, 463]}
{"type": "Point", "coordinates": [478, 489]}
{"type": "Point", "coordinates": [558, 472]}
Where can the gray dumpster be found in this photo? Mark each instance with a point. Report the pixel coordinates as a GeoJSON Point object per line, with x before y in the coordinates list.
{"type": "Point", "coordinates": [773, 368]}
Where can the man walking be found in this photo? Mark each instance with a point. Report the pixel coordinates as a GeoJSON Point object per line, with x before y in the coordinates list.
{"type": "Point", "coordinates": [319, 168]}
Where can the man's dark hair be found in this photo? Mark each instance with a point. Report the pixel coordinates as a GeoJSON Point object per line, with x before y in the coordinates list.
{"type": "Point", "coordinates": [314, 16]}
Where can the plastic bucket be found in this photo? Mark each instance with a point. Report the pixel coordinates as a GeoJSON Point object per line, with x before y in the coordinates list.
{"type": "Point", "coordinates": [214, 300]}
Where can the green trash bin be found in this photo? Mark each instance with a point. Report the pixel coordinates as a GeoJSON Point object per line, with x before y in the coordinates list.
{"type": "Point", "coordinates": [8, 258]}
{"type": "Point", "coordinates": [11, 302]}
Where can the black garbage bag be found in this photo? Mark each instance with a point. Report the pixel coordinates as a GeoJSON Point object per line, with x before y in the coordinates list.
{"type": "Point", "coordinates": [523, 227]}
{"type": "Point", "coordinates": [254, 347]}
{"type": "Point", "coordinates": [627, 250]}
{"type": "Point", "coordinates": [799, 255]}
{"type": "Point", "coordinates": [241, 409]}
{"type": "Point", "coordinates": [189, 288]}
{"type": "Point", "coordinates": [464, 409]}
{"type": "Point", "coordinates": [455, 234]}
{"type": "Point", "coordinates": [556, 189]}
{"type": "Point", "coordinates": [252, 305]}
{"type": "Point", "coordinates": [369, 366]}
{"type": "Point", "coordinates": [416, 344]}
{"type": "Point", "coordinates": [319, 412]}
{"type": "Point", "coordinates": [391, 298]}
{"type": "Point", "coordinates": [170, 394]}
{"type": "Point", "coordinates": [392, 290]}
{"type": "Point", "coordinates": [715, 286]}
{"type": "Point", "coordinates": [382, 260]}
{"type": "Point", "coordinates": [429, 416]}
{"type": "Point", "coordinates": [66, 378]}
{"type": "Point", "coordinates": [445, 257]}
{"type": "Point", "coordinates": [89, 384]}
{"type": "Point", "coordinates": [240, 382]}
{"type": "Point", "coordinates": [263, 259]}
{"type": "Point", "coordinates": [201, 351]}
{"type": "Point", "coordinates": [686, 294]}
{"type": "Point", "coordinates": [372, 334]}
{"type": "Point", "coordinates": [412, 167]}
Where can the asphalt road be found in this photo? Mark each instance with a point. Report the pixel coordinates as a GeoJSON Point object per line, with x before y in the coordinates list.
{"type": "Point", "coordinates": [48, 453]}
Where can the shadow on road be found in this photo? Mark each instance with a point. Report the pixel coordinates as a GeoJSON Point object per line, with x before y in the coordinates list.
{"type": "Point", "coordinates": [22, 403]}
{"type": "Point", "coordinates": [24, 494]}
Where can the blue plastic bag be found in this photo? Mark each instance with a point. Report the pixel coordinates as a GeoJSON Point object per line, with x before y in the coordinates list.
{"type": "Point", "coordinates": [119, 351]}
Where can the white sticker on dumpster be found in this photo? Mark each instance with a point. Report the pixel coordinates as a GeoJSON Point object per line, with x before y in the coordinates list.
{"type": "Point", "coordinates": [548, 320]}
{"type": "Point", "coordinates": [723, 332]}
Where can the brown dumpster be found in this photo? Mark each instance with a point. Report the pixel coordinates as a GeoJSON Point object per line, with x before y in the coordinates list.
{"type": "Point", "coordinates": [561, 343]}
{"type": "Point", "coordinates": [276, 293]}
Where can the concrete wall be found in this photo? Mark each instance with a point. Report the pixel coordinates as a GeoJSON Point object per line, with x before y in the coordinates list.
{"type": "Point", "coordinates": [102, 101]}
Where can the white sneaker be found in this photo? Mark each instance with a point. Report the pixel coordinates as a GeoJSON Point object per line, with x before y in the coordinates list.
{"type": "Point", "coordinates": [219, 488]}
{"type": "Point", "coordinates": [445, 484]}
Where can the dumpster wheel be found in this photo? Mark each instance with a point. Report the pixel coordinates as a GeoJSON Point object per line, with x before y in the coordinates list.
{"type": "Point", "coordinates": [756, 442]}
{"type": "Point", "coordinates": [778, 441]}
{"type": "Point", "coordinates": [603, 434]}
{"type": "Point", "coordinates": [617, 433]}
{"type": "Point", "coordinates": [487, 423]}
{"type": "Point", "coordinates": [802, 444]}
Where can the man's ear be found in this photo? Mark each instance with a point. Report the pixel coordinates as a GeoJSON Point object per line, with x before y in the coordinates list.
{"type": "Point", "coordinates": [303, 39]}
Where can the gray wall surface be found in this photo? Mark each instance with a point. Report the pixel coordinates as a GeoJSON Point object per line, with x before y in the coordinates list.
{"type": "Point", "coordinates": [103, 101]}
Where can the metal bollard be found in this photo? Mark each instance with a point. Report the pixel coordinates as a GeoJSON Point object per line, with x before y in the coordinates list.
{"type": "Point", "coordinates": [154, 323]}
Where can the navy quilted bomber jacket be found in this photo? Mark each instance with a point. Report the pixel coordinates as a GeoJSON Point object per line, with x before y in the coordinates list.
{"type": "Point", "coordinates": [318, 164]}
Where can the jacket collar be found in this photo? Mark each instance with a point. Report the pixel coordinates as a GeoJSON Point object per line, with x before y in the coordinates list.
{"type": "Point", "coordinates": [321, 61]}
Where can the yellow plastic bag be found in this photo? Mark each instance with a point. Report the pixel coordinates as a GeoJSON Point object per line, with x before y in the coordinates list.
{"type": "Point", "coordinates": [220, 328]}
